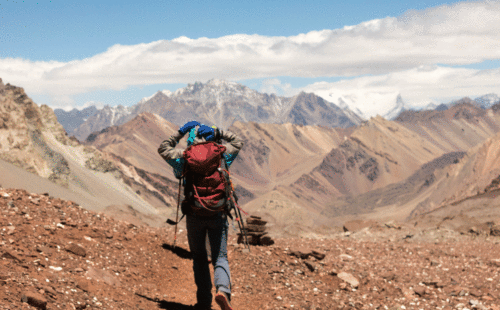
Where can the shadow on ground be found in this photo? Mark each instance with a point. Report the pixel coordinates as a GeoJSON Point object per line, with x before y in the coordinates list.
{"type": "Point", "coordinates": [181, 252]}
{"type": "Point", "coordinates": [168, 305]}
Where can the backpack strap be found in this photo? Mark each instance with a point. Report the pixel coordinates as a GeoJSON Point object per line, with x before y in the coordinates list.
{"type": "Point", "coordinates": [199, 201]}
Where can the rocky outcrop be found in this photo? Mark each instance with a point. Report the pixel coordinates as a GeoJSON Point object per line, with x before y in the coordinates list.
{"type": "Point", "coordinates": [22, 142]}
{"type": "Point", "coordinates": [255, 231]}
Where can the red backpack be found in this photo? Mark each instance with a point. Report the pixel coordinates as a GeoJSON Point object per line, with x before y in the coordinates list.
{"type": "Point", "coordinates": [204, 169]}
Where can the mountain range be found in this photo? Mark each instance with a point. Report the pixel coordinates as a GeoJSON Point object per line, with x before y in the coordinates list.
{"type": "Point", "coordinates": [222, 102]}
{"type": "Point", "coordinates": [297, 176]}
{"type": "Point", "coordinates": [385, 214]}
{"type": "Point", "coordinates": [306, 174]}
{"type": "Point", "coordinates": [217, 102]}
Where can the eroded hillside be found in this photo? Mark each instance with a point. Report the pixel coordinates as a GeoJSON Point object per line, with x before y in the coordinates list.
{"type": "Point", "coordinates": [32, 139]}
{"type": "Point", "coordinates": [382, 152]}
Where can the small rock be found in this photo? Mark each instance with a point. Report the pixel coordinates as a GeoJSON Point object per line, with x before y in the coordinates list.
{"type": "Point", "coordinates": [495, 230]}
{"type": "Point", "coordinates": [389, 276]}
{"type": "Point", "coordinates": [310, 265]}
{"type": "Point", "coordinates": [256, 221]}
{"type": "Point", "coordinates": [11, 230]}
{"type": "Point", "coordinates": [35, 300]}
{"type": "Point", "coordinates": [11, 255]}
{"type": "Point", "coordinates": [266, 240]}
{"type": "Point", "coordinates": [435, 283]}
{"type": "Point", "coordinates": [420, 290]}
{"type": "Point", "coordinates": [495, 262]}
{"type": "Point", "coordinates": [345, 257]}
{"type": "Point", "coordinates": [49, 290]}
{"type": "Point", "coordinates": [84, 285]}
{"type": "Point", "coordinates": [299, 253]}
{"type": "Point", "coordinates": [129, 235]}
{"type": "Point", "coordinates": [318, 255]}
{"type": "Point", "coordinates": [43, 249]}
{"type": "Point", "coordinates": [349, 278]}
{"type": "Point", "coordinates": [76, 249]}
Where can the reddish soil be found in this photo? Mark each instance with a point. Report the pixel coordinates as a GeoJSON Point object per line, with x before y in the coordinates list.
{"type": "Point", "coordinates": [56, 255]}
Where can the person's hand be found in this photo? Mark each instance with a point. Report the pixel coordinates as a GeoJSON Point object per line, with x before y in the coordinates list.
{"type": "Point", "coordinates": [209, 133]}
{"type": "Point", "coordinates": [188, 126]}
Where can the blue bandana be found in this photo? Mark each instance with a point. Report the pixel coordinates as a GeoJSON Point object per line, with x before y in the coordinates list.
{"type": "Point", "coordinates": [192, 136]}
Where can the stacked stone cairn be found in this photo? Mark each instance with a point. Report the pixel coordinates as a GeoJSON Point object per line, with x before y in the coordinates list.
{"type": "Point", "coordinates": [256, 232]}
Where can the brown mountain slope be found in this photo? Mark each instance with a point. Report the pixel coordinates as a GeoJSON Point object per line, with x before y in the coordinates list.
{"type": "Point", "coordinates": [378, 153]}
{"type": "Point", "coordinates": [475, 178]}
{"type": "Point", "coordinates": [392, 202]}
{"type": "Point", "coordinates": [137, 142]}
{"type": "Point", "coordinates": [275, 155]}
{"type": "Point", "coordinates": [382, 152]}
{"type": "Point", "coordinates": [454, 186]}
{"type": "Point", "coordinates": [456, 129]}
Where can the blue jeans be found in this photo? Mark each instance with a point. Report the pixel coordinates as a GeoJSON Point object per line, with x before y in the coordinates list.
{"type": "Point", "coordinates": [217, 228]}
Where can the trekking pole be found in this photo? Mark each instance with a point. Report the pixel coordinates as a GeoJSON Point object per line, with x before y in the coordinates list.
{"type": "Point", "coordinates": [177, 214]}
{"type": "Point", "coordinates": [239, 219]}
{"type": "Point", "coordinates": [242, 225]}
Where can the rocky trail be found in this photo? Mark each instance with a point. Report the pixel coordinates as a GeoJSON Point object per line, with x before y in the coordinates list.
{"type": "Point", "coordinates": [56, 255]}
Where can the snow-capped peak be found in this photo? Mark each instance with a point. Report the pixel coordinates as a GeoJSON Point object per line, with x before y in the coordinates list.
{"type": "Point", "coordinates": [365, 103]}
{"type": "Point", "coordinates": [167, 92]}
{"type": "Point", "coordinates": [115, 114]}
{"type": "Point", "coordinates": [486, 101]}
{"type": "Point", "coordinates": [215, 90]}
{"type": "Point", "coordinates": [147, 98]}
{"type": "Point", "coordinates": [219, 83]}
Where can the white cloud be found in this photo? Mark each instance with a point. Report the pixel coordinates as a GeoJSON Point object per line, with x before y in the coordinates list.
{"type": "Point", "coordinates": [275, 86]}
{"type": "Point", "coordinates": [463, 33]}
{"type": "Point", "coordinates": [69, 107]}
{"type": "Point", "coordinates": [418, 87]}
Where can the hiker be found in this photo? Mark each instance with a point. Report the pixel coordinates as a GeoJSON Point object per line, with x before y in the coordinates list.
{"type": "Point", "coordinates": [200, 220]}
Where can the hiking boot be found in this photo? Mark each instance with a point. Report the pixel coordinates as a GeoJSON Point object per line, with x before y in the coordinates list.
{"type": "Point", "coordinates": [223, 301]}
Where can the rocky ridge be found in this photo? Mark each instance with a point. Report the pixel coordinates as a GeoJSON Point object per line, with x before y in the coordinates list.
{"type": "Point", "coordinates": [23, 126]}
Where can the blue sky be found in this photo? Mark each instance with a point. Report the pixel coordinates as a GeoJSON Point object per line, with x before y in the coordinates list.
{"type": "Point", "coordinates": [66, 30]}
{"type": "Point", "coordinates": [70, 53]}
